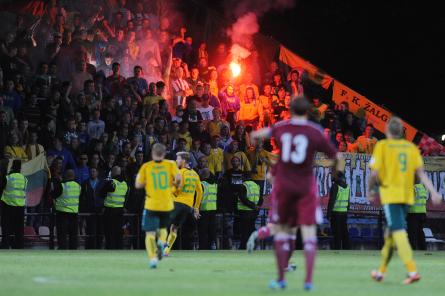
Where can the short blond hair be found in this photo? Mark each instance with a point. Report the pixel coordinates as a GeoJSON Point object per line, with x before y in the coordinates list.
{"type": "Point", "coordinates": [158, 150]}
{"type": "Point", "coordinates": [395, 127]}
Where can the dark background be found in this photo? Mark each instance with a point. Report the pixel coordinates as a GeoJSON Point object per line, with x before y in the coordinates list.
{"type": "Point", "coordinates": [389, 51]}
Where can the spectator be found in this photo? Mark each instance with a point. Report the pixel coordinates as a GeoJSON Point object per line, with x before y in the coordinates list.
{"type": "Point", "coordinates": [366, 142]}
{"type": "Point", "coordinates": [96, 127]}
{"type": "Point", "coordinates": [234, 151]}
{"type": "Point", "coordinates": [82, 170]}
{"type": "Point", "coordinates": [79, 77]}
{"type": "Point", "coordinates": [33, 148]}
{"type": "Point", "coordinates": [216, 123]}
{"type": "Point", "coordinates": [65, 154]}
{"type": "Point", "coordinates": [205, 109]}
{"type": "Point", "coordinates": [230, 105]}
{"type": "Point", "coordinates": [251, 110]}
{"type": "Point", "coordinates": [14, 149]}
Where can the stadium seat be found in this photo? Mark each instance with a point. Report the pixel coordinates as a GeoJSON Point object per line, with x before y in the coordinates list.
{"type": "Point", "coordinates": [29, 233]}
{"type": "Point", "coordinates": [353, 232]}
{"type": "Point", "coordinates": [44, 232]}
{"type": "Point", "coordinates": [430, 240]}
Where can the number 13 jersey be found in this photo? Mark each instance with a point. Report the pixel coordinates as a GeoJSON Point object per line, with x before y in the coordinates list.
{"type": "Point", "coordinates": [298, 140]}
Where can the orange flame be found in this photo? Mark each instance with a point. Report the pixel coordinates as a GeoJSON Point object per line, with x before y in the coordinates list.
{"type": "Point", "coordinates": [235, 68]}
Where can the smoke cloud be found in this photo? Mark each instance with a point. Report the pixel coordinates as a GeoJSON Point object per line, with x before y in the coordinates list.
{"type": "Point", "coordinates": [246, 25]}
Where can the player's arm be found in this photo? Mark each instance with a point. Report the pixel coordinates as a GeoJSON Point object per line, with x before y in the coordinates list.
{"type": "Point", "coordinates": [373, 184]}
{"type": "Point", "coordinates": [198, 199]}
{"type": "Point", "coordinates": [264, 133]}
{"type": "Point", "coordinates": [435, 196]}
{"type": "Point", "coordinates": [199, 193]}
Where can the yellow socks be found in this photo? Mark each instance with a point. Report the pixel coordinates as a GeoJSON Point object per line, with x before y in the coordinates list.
{"type": "Point", "coordinates": [163, 235]}
{"type": "Point", "coordinates": [150, 245]}
{"type": "Point", "coordinates": [387, 251]}
{"type": "Point", "coordinates": [404, 250]}
{"type": "Point", "coordinates": [170, 241]}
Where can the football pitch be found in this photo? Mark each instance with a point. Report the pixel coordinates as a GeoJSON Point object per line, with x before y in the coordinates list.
{"type": "Point", "coordinates": [212, 273]}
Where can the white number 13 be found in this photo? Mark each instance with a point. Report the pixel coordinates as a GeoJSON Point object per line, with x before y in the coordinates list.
{"type": "Point", "coordinates": [298, 155]}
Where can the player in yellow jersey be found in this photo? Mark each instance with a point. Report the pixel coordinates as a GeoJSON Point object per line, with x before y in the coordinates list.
{"type": "Point", "coordinates": [394, 164]}
{"type": "Point", "coordinates": [158, 177]}
{"type": "Point", "coordinates": [185, 201]}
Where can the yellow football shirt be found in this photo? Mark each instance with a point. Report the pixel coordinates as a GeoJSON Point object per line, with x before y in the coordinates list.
{"type": "Point", "coordinates": [396, 162]}
{"type": "Point", "coordinates": [190, 184]}
{"type": "Point", "coordinates": [158, 179]}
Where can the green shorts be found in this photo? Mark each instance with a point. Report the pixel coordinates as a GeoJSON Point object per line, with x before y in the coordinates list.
{"type": "Point", "coordinates": [180, 213]}
{"type": "Point", "coordinates": [154, 220]}
{"type": "Point", "coordinates": [395, 215]}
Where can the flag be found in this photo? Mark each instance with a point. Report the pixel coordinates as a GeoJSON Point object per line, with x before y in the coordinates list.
{"type": "Point", "coordinates": [33, 7]}
{"type": "Point", "coordinates": [36, 172]}
{"type": "Point", "coordinates": [429, 146]}
{"type": "Point", "coordinates": [296, 62]}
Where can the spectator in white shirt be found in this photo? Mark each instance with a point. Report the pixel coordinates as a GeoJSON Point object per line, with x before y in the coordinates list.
{"type": "Point", "coordinates": [96, 127]}
{"type": "Point", "coordinates": [181, 88]}
{"type": "Point", "coordinates": [205, 109]}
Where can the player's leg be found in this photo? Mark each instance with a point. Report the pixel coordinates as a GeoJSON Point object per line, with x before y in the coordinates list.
{"type": "Point", "coordinates": [309, 234]}
{"type": "Point", "coordinates": [386, 255]}
{"type": "Point", "coordinates": [150, 224]}
{"type": "Point", "coordinates": [282, 249]}
{"type": "Point", "coordinates": [178, 217]}
{"type": "Point", "coordinates": [164, 221]}
{"type": "Point", "coordinates": [292, 244]}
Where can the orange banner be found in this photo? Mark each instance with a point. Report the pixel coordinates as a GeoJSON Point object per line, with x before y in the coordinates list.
{"type": "Point", "coordinates": [294, 61]}
{"type": "Point", "coordinates": [359, 104]}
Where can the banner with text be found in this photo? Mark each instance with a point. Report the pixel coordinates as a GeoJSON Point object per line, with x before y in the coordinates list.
{"type": "Point", "coordinates": [357, 173]}
{"type": "Point", "coordinates": [375, 114]}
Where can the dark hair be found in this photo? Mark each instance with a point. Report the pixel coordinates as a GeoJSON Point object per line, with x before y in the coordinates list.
{"type": "Point", "coordinates": [116, 64]}
{"type": "Point", "coordinates": [300, 105]}
{"type": "Point", "coordinates": [160, 84]}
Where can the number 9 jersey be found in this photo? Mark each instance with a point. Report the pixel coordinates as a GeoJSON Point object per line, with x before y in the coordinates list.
{"type": "Point", "coordinates": [396, 161]}
{"type": "Point", "coordinates": [158, 179]}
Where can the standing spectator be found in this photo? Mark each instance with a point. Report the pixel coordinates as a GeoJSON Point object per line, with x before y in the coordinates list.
{"type": "Point", "coordinates": [251, 110]}
{"type": "Point", "coordinates": [13, 198]}
{"type": "Point", "coordinates": [65, 154]}
{"type": "Point", "coordinates": [139, 83]}
{"type": "Point", "coordinates": [193, 117]}
{"type": "Point", "coordinates": [293, 85]}
{"type": "Point", "coordinates": [337, 212]}
{"type": "Point", "coordinates": [230, 189]}
{"type": "Point", "coordinates": [96, 127]}
{"type": "Point", "coordinates": [82, 170]}
{"type": "Point", "coordinates": [79, 77]}
{"type": "Point", "coordinates": [366, 142]}
{"type": "Point", "coordinates": [11, 97]}
{"type": "Point", "coordinates": [181, 88]}
{"type": "Point", "coordinates": [14, 149]}
{"type": "Point", "coordinates": [230, 105]}
{"type": "Point", "coordinates": [261, 161]}
{"type": "Point", "coordinates": [266, 100]}
{"type": "Point", "coordinates": [91, 202]}
{"type": "Point", "coordinates": [194, 79]}
{"type": "Point", "coordinates": [205, 109]}
{"type": "Point", "coordinates": [233, 152]}
{"type": "Point", "coordinates": [115, 81]}
{"type": "Point", "coordinates": [248, 83]}
{"type": "Point", "coordinates": [33, 148]}
{"type": "Point", "coordinates": [66, 196]}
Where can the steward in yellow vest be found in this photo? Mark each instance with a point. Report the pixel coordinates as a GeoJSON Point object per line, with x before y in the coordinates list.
{"type": "Point", "coordinates": [337, 212]}
{"type": "Point", "coordinates": [416, 217]}
{"type": "Point", "coordinates": [248, 205]}
{"type": "Point", "coordinates": [66, 195]}
{"type": "Point", "coordinates": [207, 222]}
{"type": "Point", "coordinates": [116, 191]}
{"type": "Point", "coordinates": [13, 199]}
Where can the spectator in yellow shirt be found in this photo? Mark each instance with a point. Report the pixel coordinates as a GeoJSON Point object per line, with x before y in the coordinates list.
{"type": "Point", "coordinates": [366, 142]}
{"type": "Point", "coordinates": [266, 100]}
{"type": "Point", "coordinates": [234, 151]}
{"type": "Point", "coordinates": [320, 107]}
{"type": "Point", "coordinates": [251, 110]}
{"type": "Point", "coordinates": [260, 161]}
{"type": "Point", "coordinates": [14, 150]}
{"type": "Point", "coordinates": [214, 126]}
{"type": "Point", "coordinates": [248, 83]}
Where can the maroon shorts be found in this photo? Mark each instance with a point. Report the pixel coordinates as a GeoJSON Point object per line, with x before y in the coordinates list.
{"type": "Point", "coordinates": [294, 209]}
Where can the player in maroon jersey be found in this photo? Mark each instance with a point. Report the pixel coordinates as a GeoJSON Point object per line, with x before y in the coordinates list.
{"type": "Point", "coordinates": [296, 202]}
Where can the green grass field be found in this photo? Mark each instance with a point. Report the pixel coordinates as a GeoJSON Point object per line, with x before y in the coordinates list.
{"type": "Point", "coordinates": [81, 273]}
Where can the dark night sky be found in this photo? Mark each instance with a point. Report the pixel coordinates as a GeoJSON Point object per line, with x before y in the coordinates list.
{"type": "Point", "coordinates": [391, 53]}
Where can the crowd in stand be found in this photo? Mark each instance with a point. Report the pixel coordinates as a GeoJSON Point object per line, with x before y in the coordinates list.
{"type": "Point", "coordinates": [97, 91]}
